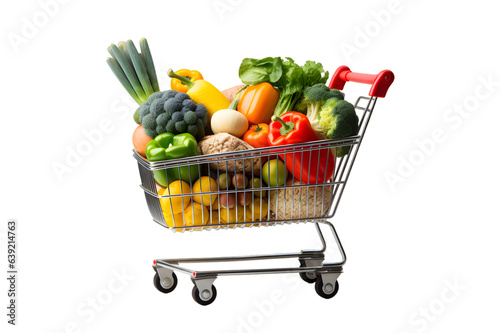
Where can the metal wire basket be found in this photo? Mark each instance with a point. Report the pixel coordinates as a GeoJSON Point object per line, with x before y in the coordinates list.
{"type": "Point", "coordinates": [291, 200]}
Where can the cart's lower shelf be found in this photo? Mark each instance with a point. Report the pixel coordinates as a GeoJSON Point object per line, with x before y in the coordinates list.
{"type": "Point", "coordinates": [312, 269]}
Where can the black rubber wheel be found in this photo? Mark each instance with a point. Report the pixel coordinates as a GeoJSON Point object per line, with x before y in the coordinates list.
{"type": "Point", "coordinates": [305, 276]}
{"type": "Point", "coordinates": [321, 292]}
{"type": "Point", "coordinates": [157, 283]}
{"type": "Point", "coordinates": [196, 296]}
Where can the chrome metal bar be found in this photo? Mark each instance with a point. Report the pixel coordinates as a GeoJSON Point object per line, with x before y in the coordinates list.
{"type": "Point", "coordinates": [309, 254]}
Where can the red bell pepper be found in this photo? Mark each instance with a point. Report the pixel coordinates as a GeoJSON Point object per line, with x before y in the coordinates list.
{"type": "Point", "coordinates": [311, 166]}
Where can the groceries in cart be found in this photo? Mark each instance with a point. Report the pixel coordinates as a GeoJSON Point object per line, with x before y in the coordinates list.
{"type": "Point", "coordinates": [254, 154]}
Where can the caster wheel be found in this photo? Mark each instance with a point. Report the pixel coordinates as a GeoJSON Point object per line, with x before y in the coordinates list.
{"type": "Point", "coordinates": [309, 277]}
{"type": "Point", "coordinates": [167, 285]}
{"type": "Point", "coordinates": [209, 298]}
{"type": "Point", "coordinates": [327, 291]}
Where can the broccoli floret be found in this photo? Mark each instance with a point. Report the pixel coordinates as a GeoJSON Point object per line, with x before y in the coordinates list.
{"type": "Point", "coordinates": [174, 112]}
{"type": "Point", "coordinates": [201, 134]}
{"type": "Point", "coordinates": [199, 123]}
{"type": "Point", "coordinates": [155, 95]}
{"type": "Point", "coordinates": [181, 96]}
{"type": "Point", "coordinates": [172, 105]}
{"type": "Point", "coordinates": [201, 112]}
{"type": "Point", "coordinates": [162, 120]}
{"type": "Point", "coordinates": [177, 116]}
{"type": "Point", "coordinates": [192, 129]}
{"type": "Point", "coordinates": [143, 110]}
{"type": "Point", "coordinates": [320, 93]}
{"type": "Point", "coordinates": [169, 94]}
{"type": "Point", "coordinates": [181, 126]}
{"type": "Point", "coordinates": [151, 133]}
{"type": "Point", "coordinates": [338, 119]}
{"type": "Point", "coordinates": [313, 99]}
{"type": "Point", "coordinates": [156, 107]}
{"type": "Point", "coordinates": [190, 118]}
{"type": "Point", "coordinates": [149, 121]}
{"type": "Point", "coordinates": [189, 104]}
{"type": "Point", "coordinates": [170, 126]}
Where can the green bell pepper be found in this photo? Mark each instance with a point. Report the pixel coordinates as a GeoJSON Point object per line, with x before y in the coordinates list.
{"type": "Point", "coordinates": [167, 146]}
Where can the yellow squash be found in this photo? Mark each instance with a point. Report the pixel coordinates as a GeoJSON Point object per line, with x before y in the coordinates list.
{"type": "Point", "coordinates": [203, 92]}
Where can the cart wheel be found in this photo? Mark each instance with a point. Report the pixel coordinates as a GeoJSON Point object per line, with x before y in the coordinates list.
{"type": "Point", "coordinates": [170, 284]}
{"type": "Point", "coordinates": [327, 291]}
{"type": "Point", "coordinates": [309, 277]}
{"type": "Point", "coordinates": [197, 298]}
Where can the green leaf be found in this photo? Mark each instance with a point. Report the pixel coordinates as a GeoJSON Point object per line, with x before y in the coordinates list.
{"type": "Point", "coordinates": [251, 73]}
{"type": "Point", "coordinates": [314, 73]}
{"type": "Point", "coordinates": [277, 70]}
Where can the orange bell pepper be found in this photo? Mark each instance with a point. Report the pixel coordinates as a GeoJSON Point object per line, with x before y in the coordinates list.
{"type": "Point", "coordinates": [258, 102]}
{"type": "Point", "coordinates": [256, 136]}
{"type": "Point", "coordinates": [192, 76]}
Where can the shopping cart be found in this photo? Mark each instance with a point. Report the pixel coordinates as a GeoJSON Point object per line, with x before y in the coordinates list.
{"type": "Point", "coordinates": [292, 200]}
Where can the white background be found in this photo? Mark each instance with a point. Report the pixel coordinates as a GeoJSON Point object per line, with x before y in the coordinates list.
{"type": "Point", "coordinates": [437, 225]}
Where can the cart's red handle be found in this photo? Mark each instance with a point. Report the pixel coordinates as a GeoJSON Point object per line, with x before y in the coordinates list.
{"type": "Point", "coordinates": [380, 82]}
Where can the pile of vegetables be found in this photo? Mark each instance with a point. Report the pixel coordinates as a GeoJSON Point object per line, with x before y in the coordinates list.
{"type": "Point", "coordinates": [278, 103]}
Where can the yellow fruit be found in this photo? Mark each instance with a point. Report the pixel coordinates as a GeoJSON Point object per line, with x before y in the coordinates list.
{"type": "Point", "coordinates": [215, 205]}
{"type": "Point", "coordinates": [176, 204]}
{"type": "Point", "coordinates": [196, 214]}
{"type": "Point", "coordinates": [203, 185]}
{"type": "Point", "coordinates": [214, 219]}
{"type": "Point", "coordinates": [177, 221]}
{"type": "Point", "coordinates": [233, 215]}
{"type": "Point", "coordinates": [256, 212]}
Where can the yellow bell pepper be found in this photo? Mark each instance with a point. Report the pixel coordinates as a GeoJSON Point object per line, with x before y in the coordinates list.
{"type": "Point", "coordinates": [203, 92]}
{"type": "Point", "coordinates": [192, 76]}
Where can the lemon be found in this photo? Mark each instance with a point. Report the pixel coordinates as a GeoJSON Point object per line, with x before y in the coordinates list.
{"type": "Point", "coordinates": [175, 204]}
{"type": "Point", "coordinates": [232, 215]}
{"type": "Point", "coordinates": [203, 185]}
{"type": "Point", "coordinates": [214, 219]}
{"type": "Point", "coordinates": [215, 205]}
{"type": "Point", "coordinates": [196, 214]}
{"type": "Point", "coordinates": [176, 221]}
{"type": "Point", "coordinates": [256, 212]}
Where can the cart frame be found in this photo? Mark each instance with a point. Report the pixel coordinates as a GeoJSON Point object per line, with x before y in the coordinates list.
{"type": "Point", "coordinates": [312, 267]}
